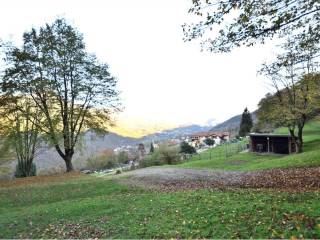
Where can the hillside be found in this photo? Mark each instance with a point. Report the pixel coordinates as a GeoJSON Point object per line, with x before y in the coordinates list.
{"type": "Point", "coordinates": [232, 123]}
{"type": "Point", "coordinates": [175, 133]}
{"type": "Point", "coordinates": [90, 144]}
{"type": "Point", "coordinates": [216, 157]}
{"type": "Point", "coordinates": [47, 160]}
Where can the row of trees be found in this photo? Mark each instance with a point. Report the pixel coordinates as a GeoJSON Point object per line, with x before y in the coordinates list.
{"type": "Point", "coordinates": [53, 88]}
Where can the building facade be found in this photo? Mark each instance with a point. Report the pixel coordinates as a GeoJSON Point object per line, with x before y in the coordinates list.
{"type": "Point", "coordinates": [272, 143]}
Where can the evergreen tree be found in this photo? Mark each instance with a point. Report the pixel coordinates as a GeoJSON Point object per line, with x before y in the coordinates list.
{"type": "Point", "coordinates": [151, 148]}
{"type": "Point", "coordinates": [246, 123]}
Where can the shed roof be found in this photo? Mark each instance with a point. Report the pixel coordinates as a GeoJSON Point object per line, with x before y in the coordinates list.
{"type": "Point", "coordinates": [269, 135]}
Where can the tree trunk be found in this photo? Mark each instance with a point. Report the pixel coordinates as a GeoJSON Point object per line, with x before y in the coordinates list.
{"type": "Point", "coordinates": [294, 139]}
{"type": "Point", "coordinates": [69, 165]}
{"type": "Point", "coordinates": [68, 159]}
{"type": "Point", "coordinates": [299, 142]}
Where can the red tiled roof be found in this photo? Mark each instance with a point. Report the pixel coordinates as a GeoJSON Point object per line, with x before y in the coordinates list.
{"type": "Point", "coordinates": [210, 134]}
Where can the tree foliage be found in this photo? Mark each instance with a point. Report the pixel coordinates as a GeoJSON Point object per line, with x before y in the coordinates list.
{"type": "Point", "coordinates": [209, 141]}
{"type": "Point", "coordinates": [169, 155]}
{"type": "Point", "coordinates": [187, 148]}
{"type": "Point", "coordinates": [233, 23]}
{"type": "Point", "coordinates": [151, 148]}
{"type": "Point", "coordinates": [246, 123]}
{"type": "Point", "coordinates": [295, 82]}
{"type": "Point", "coordinates": [123, 157]}
{"type": "Point", "coordinates": [20, 131]}
{"type": "Point", "coordinates": [71, 88]}
{"type": "Point", "coordinates": [163, 155]}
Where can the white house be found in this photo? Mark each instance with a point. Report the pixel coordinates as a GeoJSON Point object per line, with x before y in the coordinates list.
{"type": "Point", "coordinates": [197, 139]}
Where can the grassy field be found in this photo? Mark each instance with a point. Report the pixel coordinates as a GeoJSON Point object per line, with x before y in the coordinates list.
{"type": "Point", "coordinates": [253, 161]}
{"type": "Point", "coordinates": [82, 206]}
{"type": "Point", "coordinates": [77, 206]}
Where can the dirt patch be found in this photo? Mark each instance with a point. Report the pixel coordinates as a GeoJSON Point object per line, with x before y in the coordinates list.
{"type": "Point", "coordinates": [237, 162]}
{"type": "Point", "coordinates": [173, 179]}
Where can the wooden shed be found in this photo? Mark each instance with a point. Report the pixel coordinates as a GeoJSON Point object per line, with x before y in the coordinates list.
{"type": "Point", "coordinates": [272, 143]}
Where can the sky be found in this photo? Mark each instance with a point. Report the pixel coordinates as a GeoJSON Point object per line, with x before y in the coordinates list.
{"type": "Point", "coordinates": [162, 79]}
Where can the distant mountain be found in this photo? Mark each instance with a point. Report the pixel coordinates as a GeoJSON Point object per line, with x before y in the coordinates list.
{"type": "Point", "coordinates": [92, 145]}
{"type": "Point", "coordinates": [175, 133]}
{"type": "Point", "coordinates": [110, 140]}
{"type": "Point", "coordinates": [137, 128]}
{"type": "Point", "coordinates": [232, 124]}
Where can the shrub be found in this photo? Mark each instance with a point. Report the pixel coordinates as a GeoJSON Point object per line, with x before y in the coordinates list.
{"type": "Point", "coordinates": [209, 141]}
{"type": "Point", "coordinates": [151, 160]}
{"type": "Point", "coordinates": [105, 160]}
{"type": "Point", "coordinates": [111, 162]}
{"type": "Point", "coordinates": [161, 156]}
{"type": "Point", "coordinates": [123, 157]}
{"type": "Point", "coordinates": [187, 148]}
{"type": "Point", "coordinates": [169, 155]}
{"type": "Point", "coordinates": [25, 170]}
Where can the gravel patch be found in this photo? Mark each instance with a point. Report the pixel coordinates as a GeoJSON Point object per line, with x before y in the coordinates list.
{"type": "Point", "coordinates": [181, 179]}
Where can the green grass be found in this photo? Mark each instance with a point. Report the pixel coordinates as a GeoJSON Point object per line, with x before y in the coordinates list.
{"type": "Point", "coordinates": [86, 205]}
{"type": "Point", "coordinates": [253, 161]}
{"type": "Point", "coordinates": [79, 206]}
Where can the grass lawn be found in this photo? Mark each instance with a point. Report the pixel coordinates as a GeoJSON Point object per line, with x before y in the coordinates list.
{"type": "Point", "coordinates": [253, 161]}
{"type": "Point", "coordinates": [84, 206]}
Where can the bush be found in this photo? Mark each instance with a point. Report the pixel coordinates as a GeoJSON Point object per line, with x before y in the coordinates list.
{"type": "Point", "coordinates": [23, 170]}
{"type": "Point", "coordinates": [151, 160]}
{"type": "Point", "coordinates": [123, 157]}
{"type": "Point", "coordinates": [101, 162]}
{"type": "Point", "coordinates": [161, 156]}
{"type": "Point", "coordinates": [209, 141]}
{"type": "Point", "coordinates": [187, 148]}
{"type": "Point", "coordinates": [106, 160]}
{"type": "Point", "coordinates": [169, 155]}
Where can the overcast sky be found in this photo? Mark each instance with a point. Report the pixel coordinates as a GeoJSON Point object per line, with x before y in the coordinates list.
{"type": "Point", "coordinates": [162, 78]}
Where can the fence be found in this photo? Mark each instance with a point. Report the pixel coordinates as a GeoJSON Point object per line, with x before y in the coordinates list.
{"type": "Point", "coordinates": [223, 151]}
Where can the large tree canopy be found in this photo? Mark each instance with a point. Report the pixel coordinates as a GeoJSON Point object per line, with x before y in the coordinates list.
{"type": "Point", "coordinates": [234, 23]}
{"type": "Point", "coordinates": [294, 78]}
{"type": "Point", "coordinates": [72, 89]}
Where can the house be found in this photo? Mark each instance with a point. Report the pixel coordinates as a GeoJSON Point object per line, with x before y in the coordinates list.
{"type": "Point", "coordinates": [197, 139]}
{"type": "Point", "coordinates": [272, 143]}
